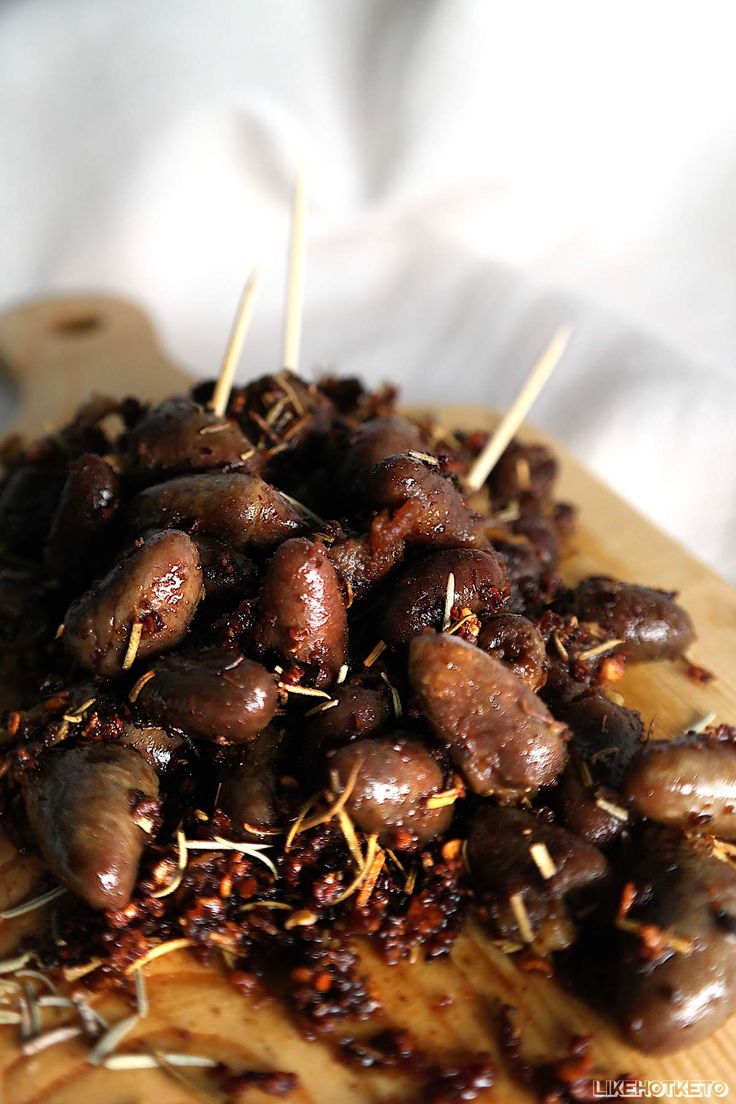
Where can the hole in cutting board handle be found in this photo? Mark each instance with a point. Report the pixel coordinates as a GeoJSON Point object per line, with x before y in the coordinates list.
{"type": "Point", "coordinates": [78, 325]}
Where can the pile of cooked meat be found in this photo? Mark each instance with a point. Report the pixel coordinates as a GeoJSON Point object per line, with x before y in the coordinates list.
{"type": "Point", "coordinates": [273, 681]}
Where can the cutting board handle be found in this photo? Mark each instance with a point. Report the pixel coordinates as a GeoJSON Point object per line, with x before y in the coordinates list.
{"type": "Point", "coordinates": [56, 352]}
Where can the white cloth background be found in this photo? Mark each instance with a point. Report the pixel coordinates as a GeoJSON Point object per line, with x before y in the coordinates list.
{"type": "Point", "coordinates": [479, 172]}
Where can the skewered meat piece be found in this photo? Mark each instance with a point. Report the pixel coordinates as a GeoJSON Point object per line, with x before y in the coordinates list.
{"type": "Point", "coordinates": [417, 599]}
{"type": "Point", "coordinates": [215, 694]}
{"type": "Point", "coordinates": [157, 586]}
{"type": "Point", "coordinates": [81, 804]}
{"type": "Point", "coordinates": [240, 510]}
{"type": "Point", "coordinates": [525, 474]}
{"type": "Point", "coordinates": [500, 734]}
{"type": "Point", "coordinates": [302, 616]}
{"type": "Point", "coordinates": [180, 436]}
{"type": "Point", "coordinates": [361, 710]}
{"type": "Point", "coordinates": [677, 973]}
{"type": "Point", "coordinates": [687, 783]}
{"type": "Point", "coordinates": [394, 778]}
{"type": "Point", "coordinates": [516, 642]}
{"type": "Point", "coordinates": [248, 783]}
{"type": "Point", "coordinates": [88, 503]}
{"type": "Point", "coordinates": [443, 518]}
{"type": "Point", "coordinates": [604, 738]}
{"type": "Point", "coordinates": [376, 440]}
{"type": "Point", "coordinates": [526, 900]}
{"type": "Point", "coordinates": [649, 622]}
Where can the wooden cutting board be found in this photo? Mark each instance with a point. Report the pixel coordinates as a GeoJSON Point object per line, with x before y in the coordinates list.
{"type": "Point", "coordinates": [59, 351]}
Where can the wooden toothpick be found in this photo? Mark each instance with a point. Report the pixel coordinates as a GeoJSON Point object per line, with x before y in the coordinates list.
{"type": "Point", "coordinates": [517, 412]}
{"type": "Point", "coordinates": [244, 313]}
{"type": "Point", "coordinates": [297, 272]}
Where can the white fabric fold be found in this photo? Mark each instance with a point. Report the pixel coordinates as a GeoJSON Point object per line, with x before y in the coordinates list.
{"type": "Point", "coordinates": [479, 172]}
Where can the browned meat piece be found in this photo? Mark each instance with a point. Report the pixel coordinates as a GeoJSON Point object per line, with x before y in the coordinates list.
{"type": "Point", "coordinates": [282, 410]}
{"type": "Point", "coordinates": [29, 497]}
{"type": "Point", "coordinates": [444, 518]}
{"type": "Point", "coordinates": [596, 813]}
{"type": "Point", "coordinates": [526, 900]}
{"type": "Point", "coordinates": [516, 642]}
{"type": "Point", "coordinates": [157, 586]}
{"type": "Point", "coordinates": [677, 974]}
{"type": "Point", "coordinates": [302, 615]}
{"type": "Point", "coordinates": [226, 573]}
{"type": "Point", "coordinates": [396, 775]}
{"type": "Point", "coordinates": [87, 505]}
{"type": "Point", "coordinates": [85, 432]}
{"type": "Point", "coordinates": [687, 783]}
{"type": "Point", "coordinates": [373, 441]}
{"type": "Point", "coordinates": [417, 599]}
{"type": "Point", "coordinates": [605, 733]}
{"type": "Point", "coordinates": [237, 509]}
{"type": "Point", "coordinates": [180, 436]}
{"type": "Point", "coordinates": [352, 398]}
{"type": "Point", "coordinates": [542, 534]}
{"type": "Point", "coordinates": [525, 474]}
{"type": "Point", "coordinates": [157, 746]}
{"type": "Point", "coordinates": [520, 559]}
{"type": "Point", "coordinates": [215, 694]}
{"type": "Point", "coordinates": [500, 734]}
{"type": "Point", "coordinates": [649, 622]}
{"type": "Point", "coordinates": [362, 561]}
{"type": "Point", "coordinates": [248, 783]}
{"type": "Point", "coordinates": [605, 736]}
{"type": "Point", "coordinates": [81, 805]}
{"type": "Point", "coordinates": [357, 567]}
{"type": "Point", "coordinates": [361, 710]}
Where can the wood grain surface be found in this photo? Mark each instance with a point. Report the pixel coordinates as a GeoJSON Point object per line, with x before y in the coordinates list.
{"type": "Point", "coordinates": [58, 352]}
